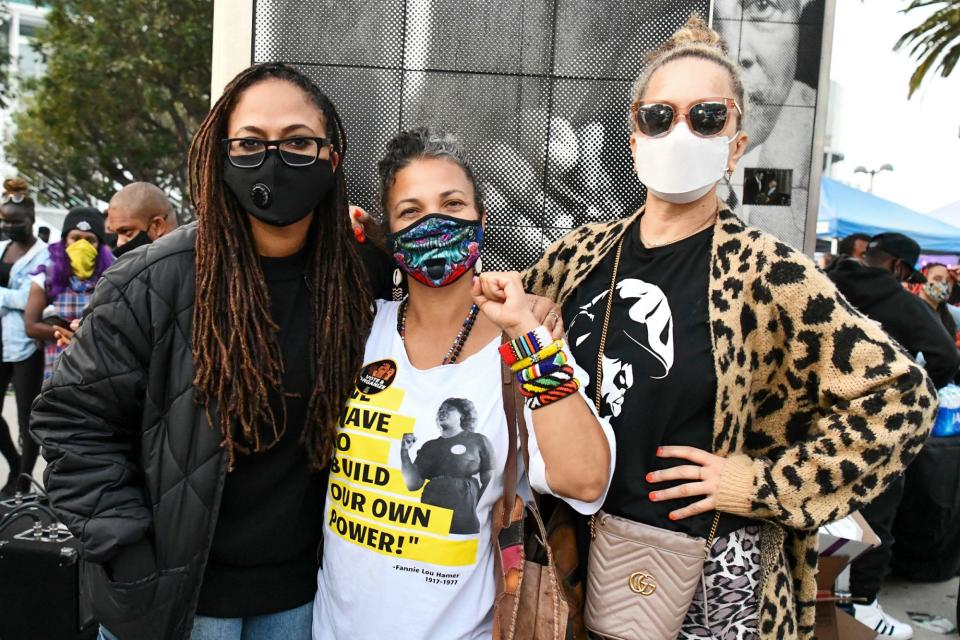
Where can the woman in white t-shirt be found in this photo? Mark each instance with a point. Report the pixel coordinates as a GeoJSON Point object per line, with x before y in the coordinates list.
{"type": "Point", "coordinates": [423, 442]}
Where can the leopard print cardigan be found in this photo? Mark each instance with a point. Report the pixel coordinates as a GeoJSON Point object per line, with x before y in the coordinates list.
{"type": "Point", "coordinates": [817, 409]}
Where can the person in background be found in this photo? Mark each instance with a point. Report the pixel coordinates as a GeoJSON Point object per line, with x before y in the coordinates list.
{"type": "Point", "coordinates": [954, 298]}
{"type": "Point", "coordinates": [139, 214]}
{"type": "Point", "coordinates": [935, 292]}
{"type": "Point", "coordinates": [771, 195]}
{"type": "Point", "coordinates": [44, 234]}
{"type": "Point", "coordinates": [853, 246]}
{"type": "Point", "coordinates": [874, 285]}
{"type": "Point", "coordinates": [20, 254]}
{"type": "Point", "coordinates": [66, 282]}
{"type": "Point", "coordinates": [753, 187]}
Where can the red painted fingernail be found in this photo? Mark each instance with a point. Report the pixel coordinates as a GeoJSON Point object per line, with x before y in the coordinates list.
{"type": "Point", "coordinates": [357, 214]}
{"type": "Point", "coordinates": [650, 477]}
{"type": "Point", "coordinates": [659, 451]}
{"type": "Point", "coordinates": [653, 496]}
{"type": "Point", "coordinates": [672, 516]}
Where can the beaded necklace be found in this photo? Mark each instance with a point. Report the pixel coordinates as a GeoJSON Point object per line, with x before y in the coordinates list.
{"type": "Point", "coordinates": [458, 342]}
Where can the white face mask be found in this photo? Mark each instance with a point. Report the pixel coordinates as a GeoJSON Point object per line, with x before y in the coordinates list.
{"type": "Point", "coordinates": [681, 167]}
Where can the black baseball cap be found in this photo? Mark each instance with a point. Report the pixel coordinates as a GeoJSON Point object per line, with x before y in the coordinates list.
{"type": "Point", "coordinates": [901, 247]}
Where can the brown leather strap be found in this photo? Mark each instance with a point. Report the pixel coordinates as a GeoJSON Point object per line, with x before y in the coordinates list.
{"type": "Point", "coordinates": [510, 469]}
{"type": "Point", "coordinates": [516, 427]}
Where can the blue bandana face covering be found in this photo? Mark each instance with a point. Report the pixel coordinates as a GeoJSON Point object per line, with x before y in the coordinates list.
{"type": "Point", "coordinates": [437, 249]}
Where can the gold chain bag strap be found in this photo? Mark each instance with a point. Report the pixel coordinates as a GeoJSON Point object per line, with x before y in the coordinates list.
{"type": "Point", "coordinates": [530, 602]}
{"type": "Point", "coordinates": [640, 579]}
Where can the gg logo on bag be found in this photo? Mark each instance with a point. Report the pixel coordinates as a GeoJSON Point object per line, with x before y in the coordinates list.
{"type": "Point", "coordinates": [642, 583]}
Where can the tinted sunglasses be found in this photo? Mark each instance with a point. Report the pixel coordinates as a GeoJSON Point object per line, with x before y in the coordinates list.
{"type": "Point", "coordinates": [705, 118]}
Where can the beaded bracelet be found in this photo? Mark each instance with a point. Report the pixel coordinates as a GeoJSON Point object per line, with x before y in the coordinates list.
{"type": "Point", "coordinates": [538, 357]}
{"type": "Point", "coordinates": [530, 388]}
{"type": "Point", "coordinates": [548, 382]}
{"type": "Point", "coordinates": [548, 389]}
{"type": "Point", "coordinates": [524, 346]}
{"type": "Point", "coordinates": [541, 400]}
{"type": "Point", "coordinates": [544, 368]}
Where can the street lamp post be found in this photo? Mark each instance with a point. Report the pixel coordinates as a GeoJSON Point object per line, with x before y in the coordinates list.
{"type": "Point", "coordinates": [873, 172]}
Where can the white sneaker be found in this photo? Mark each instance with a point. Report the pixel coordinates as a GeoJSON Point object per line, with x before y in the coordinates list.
{"type": "Point", "coordinates": [886, 626]}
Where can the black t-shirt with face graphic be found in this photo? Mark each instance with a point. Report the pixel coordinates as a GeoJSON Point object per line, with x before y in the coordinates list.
{"type": "Point", "coordinates": [659, 385]}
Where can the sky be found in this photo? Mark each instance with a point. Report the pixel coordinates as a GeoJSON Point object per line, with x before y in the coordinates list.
{"type": "Point", "coordinates": [874, 121]}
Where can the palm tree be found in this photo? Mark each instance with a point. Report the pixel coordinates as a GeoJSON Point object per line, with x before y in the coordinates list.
{"type": "Point", "coordinates": [935, 41]}
{"type": "Point", "coordinates": [4, 56]}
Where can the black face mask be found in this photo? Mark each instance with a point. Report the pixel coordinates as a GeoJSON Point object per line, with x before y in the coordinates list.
{"type": "Point", "coordinates": [278, 194]}
{"type": "Point", "coordinates": [139, 240]}
{"type": "Point", "coordinates": [15, 232]}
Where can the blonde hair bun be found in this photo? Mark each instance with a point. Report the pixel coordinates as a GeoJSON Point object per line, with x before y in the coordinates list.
{"type": "Point", "coordinates": [15, 186]}
{"type": "Point", "coordinates": [693, 40]}
{"type": "Point", "coordinates": [696, 31]}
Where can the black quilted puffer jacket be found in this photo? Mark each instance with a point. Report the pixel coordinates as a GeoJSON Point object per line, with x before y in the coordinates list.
{"type": "Point", "coordinates": [133, 461]}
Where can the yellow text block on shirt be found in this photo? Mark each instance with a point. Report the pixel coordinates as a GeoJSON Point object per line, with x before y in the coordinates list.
{"type": "Point", "coordinates": [368, 474]}
{"type": "Point", "coordinates": [401, 544]}
{"type": "Point", "coordinates": [389, 398]}
{"type": "Point", "coordinates": [361, 447]}
{"type": "Point", "coordinates": [391, 511]}
{"type": "Point", "coordinates": [359, 417]}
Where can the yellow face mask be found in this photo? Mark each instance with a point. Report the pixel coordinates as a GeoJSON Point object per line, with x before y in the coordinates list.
{"type": "Point", "coordinates": [83, 258]}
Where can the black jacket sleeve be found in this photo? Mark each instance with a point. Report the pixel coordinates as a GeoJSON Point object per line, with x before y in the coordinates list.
{"type": "Point", "coordinates": [87, 420]}
{"type": "Point", "coordinates": [914, 324]}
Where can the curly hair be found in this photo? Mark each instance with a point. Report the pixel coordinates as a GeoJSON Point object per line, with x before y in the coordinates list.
{"type": "Point", "coordinates": [466, 409]}
{"type": "Point", "coordinates": [417, 144]}
{"type": "Point", "coordinates": [235, 348]}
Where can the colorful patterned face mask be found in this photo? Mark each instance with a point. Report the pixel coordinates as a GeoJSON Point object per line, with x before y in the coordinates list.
{"type": "Point", "coordinates": [937, 291]}
{"type": "Point", "coordinates": [437, 249]}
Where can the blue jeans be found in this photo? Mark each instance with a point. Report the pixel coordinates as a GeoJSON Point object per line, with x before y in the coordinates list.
{"type": "Point", "coordinates": [293, 624]}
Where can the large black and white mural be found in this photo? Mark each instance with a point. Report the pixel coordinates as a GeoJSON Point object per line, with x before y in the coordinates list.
{"type": "Point", "coordinates": [539, 90]}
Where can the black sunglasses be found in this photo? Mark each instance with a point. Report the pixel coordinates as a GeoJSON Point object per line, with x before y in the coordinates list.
{"type": "Point", "coordinates": [705, 118]}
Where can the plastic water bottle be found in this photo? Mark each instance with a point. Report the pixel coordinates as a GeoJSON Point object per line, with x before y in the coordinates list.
{"type": "Point", "coordinates": [948, 416]}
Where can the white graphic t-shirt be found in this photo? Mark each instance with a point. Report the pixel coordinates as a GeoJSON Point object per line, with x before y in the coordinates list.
{"type": "Point", "coordinates": [419, 465]}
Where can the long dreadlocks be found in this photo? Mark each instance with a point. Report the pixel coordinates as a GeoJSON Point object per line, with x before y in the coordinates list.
{"type": "Point", "coordinates": [235, 348]}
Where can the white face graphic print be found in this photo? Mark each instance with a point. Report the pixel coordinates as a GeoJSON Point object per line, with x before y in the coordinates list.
{"type": "Point", "coordinates": [650, 328]}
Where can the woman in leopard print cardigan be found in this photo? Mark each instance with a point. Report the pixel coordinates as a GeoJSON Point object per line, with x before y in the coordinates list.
{"type": "Point", "coordinates": [816, 409]}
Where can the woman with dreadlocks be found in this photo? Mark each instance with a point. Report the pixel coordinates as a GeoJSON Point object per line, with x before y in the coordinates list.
{"type": "Point", "coordinates": [187, 426]}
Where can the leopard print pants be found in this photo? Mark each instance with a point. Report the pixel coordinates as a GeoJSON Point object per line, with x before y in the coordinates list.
{"type": "Point", "coordinates": [733, 580]}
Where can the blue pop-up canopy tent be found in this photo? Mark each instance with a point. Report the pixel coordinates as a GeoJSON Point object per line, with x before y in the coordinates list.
{"type": "Point", "coordinates": [949, 214]}
{"type": "Point", "coordinates": [845, 210]}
